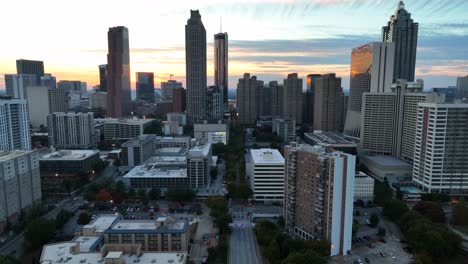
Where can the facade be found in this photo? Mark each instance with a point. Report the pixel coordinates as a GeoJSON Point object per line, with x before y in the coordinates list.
{"type": "Point", "coordinates": [386, 167]}
{"type": "Point", "coordinates": [98, 100]}
{"type": "Point", "coordinates": [172, 128]}
{"type": "Point", "coordinates": [308, 99]}
{"type": "Point", "coordinates": [389, 119]}
{"type": "Point", "coordinates": [363, 187]}
{"type": "Point", "coordinates": [265, 167]}
{"type": "Point", "coordinates": [276, 91]}
{"type": "Point", "coordinates": [74, 86]}
{"type": "Point", "coordinates": [462, 87]}
{"type": "Point", "coordinates": [136, 151]}
{"type": "Point", "coordinates": [71, 130]}
{"type": "Point", "coordinates": [119, 100]}
{"type": "Point", "coordinates": [441, 152]}
{"type": "Point", "coordinates": [211, 133]}
{"type": "Point", "coordinates": [371, 71]}
{"type": "Point", "coordinates": [247, 99]}
{"type": "Point", "coordinates": [103, 78]}
{"type": "Point", "coordinates": [180, 118]}
{"type": "Point", "coordinates": [331, 139]}
{"type": "Point", "coordinates": [195, 63]}
{"type": "Point", "coordinates": [168, 88]}
{"type": "Point", "coordinates": [20, 184]}
{"type": "Point", "coordinates": [328, 103]}
{"type": "Point", "coordinates": [199, 165]}
{"type": "Point", "coordinates": [173, 142]}
{"type": "Point", "coordinates": [292, 98]}
{"type": "Point", "coordinates": [30, 67]}
{"type": "Point", "coordinates": [16, 84]}
{"type": "Point", "coordinates": [319, 190]}
{"type": "Point", "coordinates": [179, 100]}
{"type": "Point", "coordinates": [285, 128]}
{"type": "Point", "coordinates": [14, 124]}
{"type": "Point", "coordinates": [264, 99]}
{"type": "Point", "coordinates": [49, 81]}
{"type": "Point", "coordinates": [221, 72]}
{"type": "Point", "coordinates": [402, 31]}
{"type": "Point", "coordinates": [145, 86]}
{"type": "Point", "coordinates": [43, 101]}
{"type": "Point", "coordinates": [123, 129]}
{"type": "Point", "coordinates": [214, 102]}
{"type": "Point", "coordinates": [65, 163]}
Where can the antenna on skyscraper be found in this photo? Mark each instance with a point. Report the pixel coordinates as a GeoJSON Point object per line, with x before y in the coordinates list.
{"type": "Point", "coordinates": [220, 25]}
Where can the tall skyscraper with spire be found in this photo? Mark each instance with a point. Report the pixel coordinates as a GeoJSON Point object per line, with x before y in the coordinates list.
{"type": "Point", "coordinates": [195, 66]}
{"type": "Point", "coordinates": [119, 100]}
{"type": "Point", "coordinates": [404, 33]}
{"type": "Point", "coordinates": [221, 63]}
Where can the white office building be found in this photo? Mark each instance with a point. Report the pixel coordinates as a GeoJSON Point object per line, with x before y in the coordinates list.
{"type": "Point", "coordinates": [14, 124]}
{"type": "Point", "coordinates": [20, 184]}
{"type": "Point", "coordinates": [285, 128]}
{"type": "Point", "coordinates": [265, 167]}
{"type": "Point", "coordinates": [363, 187]}
{"type": "Point", "coordinates": [212, 132]}
{"type": "Point", "coordinates": [180, 118]}
{"type": "Point", "coordinates": [16, 84]}
{"type": "Point", "coordinates": [441, 149]}
{"type": "Point", "coordinates": [98, 100]}
{"type": "Point", "coordinates": [71, 130]}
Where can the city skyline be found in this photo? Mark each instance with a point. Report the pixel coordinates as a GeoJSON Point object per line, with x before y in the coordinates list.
{"type": "Point", "coordinates": [284, 36]}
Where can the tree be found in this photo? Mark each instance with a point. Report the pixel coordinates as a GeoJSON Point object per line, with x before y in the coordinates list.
{"type": "Point", "coordinates": [431, 210]}
{"type": "Point", "coordinates": [83, 219]}
{"type": "Point", "coordinates": [381, 232]}
{"type": "Point", "coordinates": [382, 193]}
{"type": "Point", "coordinates": [374, 220]}
{"type": "Point", "coordinates": [214, 172]}
{"type": "Point", "coordinates": [37, 233]}
{"type": "Point", "coordinates": [309, 256]}
{"type": "Point", "coordinates": [154, 128]}
{"type": "Point", "coordinates": [154, 194]}
{"type": "Point", "coordinates": [117, 162]}
{"type": "Point", "coordinates": [9, 260]}
{"type": "Point", "coordinates": [142, 195]}
{"type": "Point", "coordinates": [460, 214]}
{"type": "Point", "coordinates": [394, 209]}
{"type": "Point", "coordinates": [219, 149]}
{"type": "Point", "coordinates": [67, 184]}
{"type": "Point", "coordinates": [103, 196]}
{"type": "Point", "coordinates": [186, 195]}
{"type": "Point", "coordinates": [62, 217]}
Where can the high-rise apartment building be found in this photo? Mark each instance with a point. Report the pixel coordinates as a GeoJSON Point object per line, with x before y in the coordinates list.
{"type": "Point", "coordinates": [14, 124]}
{"type": "Point", "coordinates": [137, 150]}
{"type": "Point", "coordinates": [103, 77]}
{"type": "Point", "coordinates": [292, 98]}
{"type": "Point", "coordinates": [264, 99]}
{"type": "Point", "coordinates": [389, 119]}
{"type": "Point", "coordinates": [247, 99]}
{"type": "Point", "coordinates": [195, 65]}
{"type": "Point", "coordinates": [43, 101]}
{"type": "Point", "coordinates": [402, 31]}
{"type": "Point", "coordinates": [285, 128]}
{"type": "Point", "coordinates": [71, 130]}
{"type": "Point", "coordinates": [21, 184]}
{"type": "Point", "coordinates": [276, 91]}
{"type": "Point", "coordinates": [221, 63]}
{"type": "Point", "coordinates": [199, 165]}
{"type": "Point", "coordinates": [441, 152]}
{"type": "Point", "coordinates": [308, 99]}
{"type": "Point", "coordinates": [179, 100]}
{"type": "Point", "coordinates": [318, 198]}
{"type": "Point", "coordinates": [145, 86]}
{"type": "Point", "coordinates": [328, 103]}
{"type": "Point", "coordinates": [49, 81]}
{"type": "Point", "coordinates": [462, 87]}
{"type": "Point", "coordinates": [119, 100]}
{"type": "Point", "coordinates": [371, 71]}
{"type": "Point", "coordinates": [30, 67]}
{"type": "Point", "coordinates": [16, 84]}
{"type": "Point", "coordinates": [214, 102]}
{"type": "Point", "coordinates": [168, 88]}
{"type": "Point", "coordinates": [66, 85]}
{"type": "Point", "coordinates": [98, 100]}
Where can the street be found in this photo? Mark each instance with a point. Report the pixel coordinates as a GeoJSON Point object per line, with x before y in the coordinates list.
{"type": "Point", "coordinates": [243, 247]}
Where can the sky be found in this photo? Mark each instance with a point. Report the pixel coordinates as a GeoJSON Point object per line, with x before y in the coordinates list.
{"type": "Point", "coordinates": [268, 38]}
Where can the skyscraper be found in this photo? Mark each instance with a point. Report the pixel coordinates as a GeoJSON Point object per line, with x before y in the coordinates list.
{"type": "Point", "coordinates": [66, 85]}
{"type": "Point", "coordinates": [145, 86]}
{"type": "Point", "coordinates": [30, 67]}
{"type": "Point", "coordinates": [247, 99]}
{"type": "Point", "coordinates": [308, 99]}
{"type": "Point", "coordinates": [292, 98]}
{"type": "Point", "coordinates": [371, 71]}
{"type": "Point", "coordinates": [14, 124]}
{"type": "Point", "coordinates": [328, 103]}
{"type": "Point", "coordinates": [318, 195]}
{"type": "Point", "coordinates": [462, 87]}
{"type": "Point", "coordinates": [71, 130]}
{"type": "Point", "coordinates": [43, 101]}
{"type": "Point", "coordinates": [16, 84]}
{"type": "Point", "coordinates": [119, 100]}
{"type": "Point", "coordinates": [179, 100]}
{"type": "Point", "coordinates": [214, 102]}
{"type": "Point", "coordinates": [221, 63]}
{"type": "Point", "coordinates": [441, 151]}
{"type": "Point", "coordinates": [167, 88]}
{"type": "Point", "coordinates": [195, 65]}
{"type": "Point", "coordinates": [404, 33]}
{"type": "Point", "coordinates": [103, 77]}
{"type": "Point", "coordinates": [276, 91]}
{"type": "Point", "coordinates": [49, 81]}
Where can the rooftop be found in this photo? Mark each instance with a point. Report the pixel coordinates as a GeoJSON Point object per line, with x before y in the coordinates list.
{"type": "Point", "coordinates": [387, 161]}
{"type": "Point", "coordinates": [199, 150]}
{"type": "Point", "coordinates": [128, 121]}
{"type": "Point", "coordinates": [171, 152]}
{"type": "Point", "coordinates": [70, 155]}
{"type": "Point", "coordinates": [88, 243]}
{"type": "Point", "coordinates": [161, 225]}
{"type": "Point", "coordinates": [266, 156]}
{"type": "Point", "coordinates": [102, 222]}
{"type": "Point", "coordinates": [328, 138]}
{"type": "Point", "coordinates": [142, 139]}
{"type": "Point", "coordinates": [11, 154]}
{"type": "Point", "coordinates": [143, 171]}
{"type": "Point", "coordinates": [412, 190]}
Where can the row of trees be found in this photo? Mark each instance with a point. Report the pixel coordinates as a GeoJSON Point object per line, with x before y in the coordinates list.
{"type": "Point", "coordinates": [460, 214]}
{"type": "Point", "coordinates": [278, 248]}
{"type": "Point", "coordinates": [219, 212]}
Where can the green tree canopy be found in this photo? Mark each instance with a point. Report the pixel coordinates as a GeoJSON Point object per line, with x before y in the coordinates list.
{"type": "Point", "coordinates": [37, 233]}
